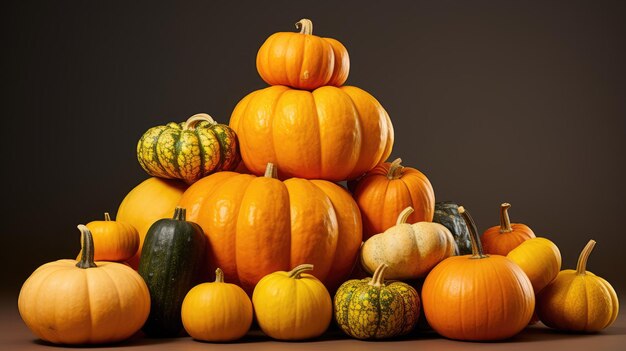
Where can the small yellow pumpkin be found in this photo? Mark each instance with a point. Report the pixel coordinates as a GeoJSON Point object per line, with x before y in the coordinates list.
{"type": "Point", "coordinates": [410, 250]}
{"type": "Point", "coordinates": [113, 240]}
{"type": "Point", "coordinates": [292, 305]}
{"type": "Point", "coordinates": [540, 259]}
{"type": "Point", "coordinates": [578, 300]}
{"type": "Point", "coordinates": [84, 302]}
{"type": "Point", "coordinates": [217, 311]}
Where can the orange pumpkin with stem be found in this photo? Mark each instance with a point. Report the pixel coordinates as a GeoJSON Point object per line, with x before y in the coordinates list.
{"type": "Point", "coordinates": [259, 225]}
{"type": "Point", "coordinates": [303, 60]}
{"type": "Point", "coordinates": [477, 297]}
{"type": "Point", "coordinates": [330, 133]}
{"type": "Point", "coordinates": [388, 189]}
{"type": "Point", "coordinates": [114, 240]}
{"type": "Point", "coordinates": [500, 240]}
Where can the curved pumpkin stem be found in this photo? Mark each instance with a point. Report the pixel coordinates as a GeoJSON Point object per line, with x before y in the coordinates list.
{"type": "Point", "coordinates": [107, 217]}
{"type": "Point", "coordinates": [477, 246]}
{"type": "Point", "coordinates": [305, 25]}
{"type": "Point", "coordinates": [295, 273]}
{"type": "Point", "coordinates": [86, 257]}
{"type": "Point", "coordinates": [581, 266]}
{"type": "Point", "coordinates": [505, 222]}
{"type": "Point", "coordinates": [404, 215]}
{"type": "Point", "coordinates": [271, 171]}
{"type": "Point", "coordinates": [395, 169]}
{"type": "Point", "coordinates": [378, 279]}
{"type": "Point", "coordinates": [180, 214]}
{"type": "Point", "coordinates": [191, 122]}
{"type": "Point", "coordinates": [219, 275]}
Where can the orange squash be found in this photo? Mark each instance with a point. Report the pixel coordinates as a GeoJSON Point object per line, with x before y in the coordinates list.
{"type": "Point", "coordinates": [302, 60]}
{"type": "Point", "coordinates": [256, 226]}
{"type": "Point", "coordinates": [477, 297]}
{"type": "Point", "coordinates": [388, 189]}
{"type": "Point", "coordinates": [114, 240]}
{"type": "Point", "coordinates": [330, 133]}
{"type": "Point", "coordinates": [151, 200]}
{"type": "Point", "coordinates": [500, 240]}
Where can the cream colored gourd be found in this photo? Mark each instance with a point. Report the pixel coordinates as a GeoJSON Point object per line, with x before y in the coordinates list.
{"type": "Point", "coordinates": [410, 250]}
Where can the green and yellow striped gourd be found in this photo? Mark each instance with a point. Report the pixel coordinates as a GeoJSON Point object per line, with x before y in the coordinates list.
{"type": "Point", "coordinates": [372, 309]}
{"type": "Point", "coordinates": [189, 150]}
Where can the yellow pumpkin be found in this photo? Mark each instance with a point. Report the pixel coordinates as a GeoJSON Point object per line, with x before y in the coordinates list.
{"type": "Point", "coordinates": [302, 60]}
{"type": "Point", "coordinates": [84, 302]}
{"type": "Point", "coordinates": [330, 133]}
{"type": "Point", "coordinates": [113, 240]}
{"type": "Point", "coordinates": [217, 311]}
{"type": "Point", "coordinates": [292, 305]}
{"type": "Point", "coordinates": [151, 200]}
{"type": "Point", "coordinates": [410, 250]}
{"type": "Point", "coordinates": [540, 259]}
{"type": "Point", "coordinates": [578, 300]}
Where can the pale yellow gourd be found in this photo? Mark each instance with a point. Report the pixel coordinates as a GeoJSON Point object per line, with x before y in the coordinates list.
{"type": "Point", "coordinates": [410, 250]}
{"type": "Point", "coordinates": [578, 300]}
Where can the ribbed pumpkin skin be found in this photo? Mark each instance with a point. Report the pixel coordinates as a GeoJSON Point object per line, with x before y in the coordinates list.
{"type": "Point", "coordinates": [478, 299]}
{"type": "Point", "coordinates": [175, 152]}
{"type": "Point", "coordinates": [292, 308]}
{"type": "Point", "coordinates": [113, 240]}
{"type": "Point", "coordinates": [302, 60]}
{"type": "Point", "coordinates": [381, 198]}
{"type": "Point", "coordinates": [170, 261]}
{"type": "Point", "coordinates": [64, 304]}
{"type": "Point", "coordinates": [364, 311]}
{"type": "Point", "coordinates": [330, 133]}
{"type": "Point", "coordinates": [447, 214]}
{"type": "Point", "coordinates": [256, 226]}
{"type": "Point", "coordinates": [151, 200]}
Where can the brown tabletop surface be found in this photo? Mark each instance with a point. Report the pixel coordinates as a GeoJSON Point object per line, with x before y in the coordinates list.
{"type": "Point", "coordinates": [14, 335]}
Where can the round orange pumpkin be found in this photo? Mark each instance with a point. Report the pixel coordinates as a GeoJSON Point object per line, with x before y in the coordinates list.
{"type": "Point", "coordinates": [388, 189]}
{"type": "Point", "coordinates": [151, 200]}
{"type": "Point", "coordinates": [114, 240]}
{"type": "Point", "coordinates": [330, 133]}
{"type": "Point", "coordinates": [302, 60]}
{"type": "Point", "coordinates": [259, 225]}
{"type": "Point", "coordinates": [500, 240]}
{"type": "Point", "coordinates": [477, 297]}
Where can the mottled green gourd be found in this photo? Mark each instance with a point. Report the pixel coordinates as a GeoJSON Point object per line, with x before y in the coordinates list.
{"type": "Point", "coordinates": [374, 309]}
{"type": "Point", "coordinates": [447, 214]}
{"type": "Point", "coordinates": [189, 150]}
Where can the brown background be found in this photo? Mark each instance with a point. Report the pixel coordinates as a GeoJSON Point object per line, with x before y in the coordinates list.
{"type": "Point", "coordinates": [494, 100]}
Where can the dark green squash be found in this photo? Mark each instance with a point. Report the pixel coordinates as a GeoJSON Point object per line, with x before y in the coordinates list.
{"type": "Point", "coordinates": [374, 309]}
{"type": "Point", "coordinates": [171, 256]}
{"type": "Point", "coordinates": [447, 214]}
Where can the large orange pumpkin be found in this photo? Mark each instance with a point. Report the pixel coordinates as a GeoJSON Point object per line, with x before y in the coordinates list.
{"type": "Point", "coordinates": [151, 200]}
{"type": "Point", "coordinates": [256, 226]}
{"type": "Point", "coordinates": [388, 189]}
{"type": "Point", "coordinates": [330, 133]}
{"type": "Point", "coordinates": [477, 297]}
{"type": "Point", "coordinates": [302, 60]}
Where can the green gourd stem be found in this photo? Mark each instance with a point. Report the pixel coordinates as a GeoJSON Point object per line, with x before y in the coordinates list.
{"type": "Point", "coordinates": [86, 252]}
{"type": "Point", "coordinates": [180, 214]}
{"type": "Point", "coordinates": [219, 275]}
{"type": "Point", "coordinates": [107, 217]}
{"type": "Point", "coordinates": [295, 273]}
{"type": "Point", "coordinates": [505, 222]}
{"type": "Point", "coordinates": [395, 169]}
{"type": "Point", "coordinates": [581, 266]}
{"type": "Point", "coordinates": [477, 246]}
{"type": "Point", "coordinates": [191, 122]}
{"type": "Point", "coordinates": [271, 171]}
{"type": "Point", "coordinates": [306, 26]}
{"type": "Point", "coordinates": [378, 279]}
{"type": "Point", "coordinates": [404, 215]}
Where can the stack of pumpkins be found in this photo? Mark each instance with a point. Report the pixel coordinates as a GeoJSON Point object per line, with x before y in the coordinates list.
{"type": "Point", "coordinates": [257, 210]}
